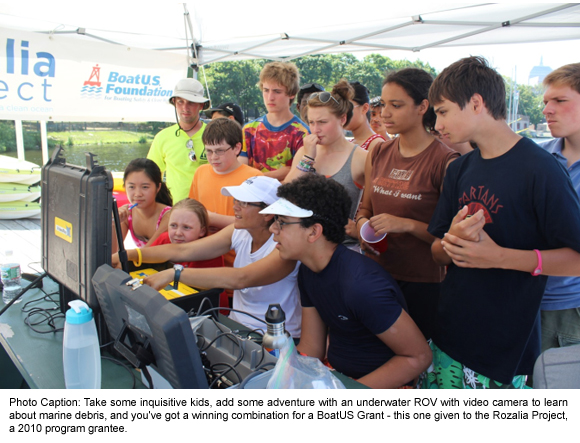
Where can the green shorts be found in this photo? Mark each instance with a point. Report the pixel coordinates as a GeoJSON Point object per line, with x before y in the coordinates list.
{"type": "Point", "coordinates": [446, 373]}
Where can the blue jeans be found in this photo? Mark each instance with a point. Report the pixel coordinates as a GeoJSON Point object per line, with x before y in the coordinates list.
{"type": "Point", "coordinates": [560, 328]}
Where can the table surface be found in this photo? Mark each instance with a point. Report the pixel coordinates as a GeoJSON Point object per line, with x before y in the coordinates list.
{"type": "Point", "coordinates": [38, 357]}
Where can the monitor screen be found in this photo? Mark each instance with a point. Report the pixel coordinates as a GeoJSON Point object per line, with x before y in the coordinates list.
{"type": "Point", "coordinates": [141, 318]}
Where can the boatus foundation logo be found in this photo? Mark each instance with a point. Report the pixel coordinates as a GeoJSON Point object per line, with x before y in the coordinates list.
{"type": "Point", "coordinates": [63, 229]}
{"type": "Point", "coordinates": [92, 87]}
{"type": "Point", "coordinates": [121, 87]}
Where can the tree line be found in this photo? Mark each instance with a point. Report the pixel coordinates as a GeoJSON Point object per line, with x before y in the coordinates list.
{"type": "Point", "coordinates": [237, 82]}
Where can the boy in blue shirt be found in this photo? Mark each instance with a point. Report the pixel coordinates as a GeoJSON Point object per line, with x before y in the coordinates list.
{"type": "Point", "coordinates": [508, 216]}
{"type": "Point", "coordinates": [561, 302]}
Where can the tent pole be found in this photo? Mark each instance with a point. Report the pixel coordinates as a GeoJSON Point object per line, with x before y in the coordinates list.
{"type": "Point", "coordinates": [19, 139]}
{"type": "Point", "coordinates": [44, 142]}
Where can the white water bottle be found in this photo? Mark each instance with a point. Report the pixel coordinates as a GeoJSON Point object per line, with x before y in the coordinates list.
{"type": "Point", "coordinates": [80, 348]}
{"type": "Point", "coordinates": [10, 279]}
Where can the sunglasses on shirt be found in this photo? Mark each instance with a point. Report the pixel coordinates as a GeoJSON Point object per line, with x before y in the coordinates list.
{"type": "Point", "coordinates": [192, 156]}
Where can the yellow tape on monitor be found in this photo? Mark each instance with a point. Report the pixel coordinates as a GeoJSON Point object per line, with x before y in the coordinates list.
{"type": "Point", "coordinates": [168, 292]}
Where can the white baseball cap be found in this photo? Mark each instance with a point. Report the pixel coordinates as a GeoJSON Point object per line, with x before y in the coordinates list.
{"type": "Point", "coordinates": [190, 89]}
{"type": "Point", "coordinates": [255, 189]}
{"type": "Point", "coordinates": [289, 209]}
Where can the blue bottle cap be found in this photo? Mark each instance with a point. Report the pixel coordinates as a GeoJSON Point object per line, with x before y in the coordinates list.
{"type": "Point", "coordinates": [79, 313]}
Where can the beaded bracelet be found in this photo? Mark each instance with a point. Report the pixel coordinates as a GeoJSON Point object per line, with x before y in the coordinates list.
{"type": "Point", "coordinates": [305, 166]}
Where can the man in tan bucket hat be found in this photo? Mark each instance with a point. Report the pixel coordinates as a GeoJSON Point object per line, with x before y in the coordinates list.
{"type": "Point", "coordinates": [178, 150]}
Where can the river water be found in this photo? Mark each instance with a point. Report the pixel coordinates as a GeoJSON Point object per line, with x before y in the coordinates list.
{"type": "Point", "coordinates": [114, 157]}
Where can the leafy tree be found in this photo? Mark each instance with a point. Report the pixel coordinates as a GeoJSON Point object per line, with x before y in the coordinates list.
{"type": "Point", "coordinates": [236, 82]}
{"type": "Point", "coordinates": [531, 102]}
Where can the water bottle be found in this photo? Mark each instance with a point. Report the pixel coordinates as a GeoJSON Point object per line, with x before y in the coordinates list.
{"type": "Point", "coordinates": [10, 279]}
{"type": "Point", "coordinates": [276, 336]}
{"type": "Point", "coordinates": [80, 350]}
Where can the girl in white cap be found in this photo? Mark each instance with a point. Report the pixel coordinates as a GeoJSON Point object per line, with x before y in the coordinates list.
{"type": "Point", "coordinates": [257, 260]}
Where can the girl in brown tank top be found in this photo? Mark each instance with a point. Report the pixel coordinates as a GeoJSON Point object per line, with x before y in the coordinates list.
{"type": "Point", "coordinates": [403, 179]}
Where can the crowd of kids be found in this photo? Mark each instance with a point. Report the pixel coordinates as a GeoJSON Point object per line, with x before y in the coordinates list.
{"type": "Point", "coordinates": [482, 269]}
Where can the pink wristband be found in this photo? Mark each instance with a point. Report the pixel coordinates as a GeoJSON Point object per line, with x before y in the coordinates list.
{"type": "Point", "coordinates": [538, 269]}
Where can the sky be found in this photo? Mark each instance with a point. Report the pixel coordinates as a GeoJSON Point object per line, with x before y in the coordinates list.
{"type": "Point", "coordinates": [516, 60]}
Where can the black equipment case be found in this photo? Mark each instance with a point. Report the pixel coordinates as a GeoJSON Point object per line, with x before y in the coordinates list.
{"type": "Point", "coordinates": [76, 226]}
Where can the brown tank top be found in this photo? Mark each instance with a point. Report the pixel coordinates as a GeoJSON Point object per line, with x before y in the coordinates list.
{"type": "Point", "coordinates": [409, 187]}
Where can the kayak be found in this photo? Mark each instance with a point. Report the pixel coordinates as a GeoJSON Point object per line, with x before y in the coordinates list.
{"type": "Point", "coordinates": [13, 170]}
{"type": "Point", "coordinates": [19, 209]}
{"type": "Point", "coordinates": [18, 192]}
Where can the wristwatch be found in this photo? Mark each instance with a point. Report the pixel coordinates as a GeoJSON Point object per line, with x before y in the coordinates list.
{"type": "Point", "coordinates": [178, 269]}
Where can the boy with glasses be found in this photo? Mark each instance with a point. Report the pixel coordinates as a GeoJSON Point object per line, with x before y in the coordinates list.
{"type": "Point", "coordinates": [349, 302]}
{"type": "Point", "coordinates": [178, 150]}
{"type": "Point", "coordinates": [271, 141]}
{"type": "Point", "coordinates": [223, 141]}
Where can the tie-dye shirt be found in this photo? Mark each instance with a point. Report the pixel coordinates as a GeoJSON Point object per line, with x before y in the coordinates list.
{"type": "Point", "coordinates": [270, 147]}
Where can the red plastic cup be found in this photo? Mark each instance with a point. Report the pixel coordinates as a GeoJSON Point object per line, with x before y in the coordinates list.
{"type": "Point", "coordinates": [377, 241]}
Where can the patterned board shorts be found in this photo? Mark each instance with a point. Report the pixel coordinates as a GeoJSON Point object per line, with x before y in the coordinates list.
{"type": "Point", "coordinates": [446, 373]}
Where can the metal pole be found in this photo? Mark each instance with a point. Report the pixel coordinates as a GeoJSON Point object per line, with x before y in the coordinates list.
{"type": "Point", "coordinates": [19, 139]}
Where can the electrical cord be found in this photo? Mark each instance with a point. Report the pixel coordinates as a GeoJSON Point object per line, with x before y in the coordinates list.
{"type": "Point", "coordinates": [222, 374]}
{"type": "Point", "coordinates": [233, 310]}
{"type": "Point", "coordinates": [22, 291]}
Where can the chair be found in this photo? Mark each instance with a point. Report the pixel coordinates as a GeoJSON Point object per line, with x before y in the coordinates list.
{"type": "Point", "coordinates": [558, 368]}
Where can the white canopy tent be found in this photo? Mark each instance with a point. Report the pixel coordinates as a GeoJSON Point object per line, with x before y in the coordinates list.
{"type": "Point", "coordinates": [233, 30]}
{"type": "Point", "coordinates": [207, 32]}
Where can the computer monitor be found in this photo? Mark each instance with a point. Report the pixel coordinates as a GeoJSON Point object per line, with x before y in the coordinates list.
{"type": "Point", "coordinates": [143, 322]}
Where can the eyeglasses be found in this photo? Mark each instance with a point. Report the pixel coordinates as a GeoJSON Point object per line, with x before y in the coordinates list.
{"type": "Point", "coordinates": [246, 204]}
{"type": "Point", "coordinates": [217, 152]}
{"type": "Point", "coordinates": [312, 86]}
{"type": "Point", "coordinates": [281, 223]}
{"type": "Point", "coordinates": [323, 96]}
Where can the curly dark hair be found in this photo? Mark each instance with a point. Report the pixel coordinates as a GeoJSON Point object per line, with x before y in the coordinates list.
{"type": "Point", "coordinates": [416, 82]}
{"type": "Point", "coordinates": [325, 197]}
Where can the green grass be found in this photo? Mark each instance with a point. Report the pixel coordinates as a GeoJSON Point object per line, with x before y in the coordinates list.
{"type": "Point", "coordinates": [98, 137]}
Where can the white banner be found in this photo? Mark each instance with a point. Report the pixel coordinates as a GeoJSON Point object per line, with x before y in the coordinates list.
{"type": "Point", "coordinates": [63, 78]}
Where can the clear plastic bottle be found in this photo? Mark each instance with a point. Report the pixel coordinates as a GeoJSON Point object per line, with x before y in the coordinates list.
{"type": "Point", "coordinates": [10, 279]}
{"type": "Point", "coordinates": [276, 335]}
{"type": "Point", "coordinates": [80, 348]}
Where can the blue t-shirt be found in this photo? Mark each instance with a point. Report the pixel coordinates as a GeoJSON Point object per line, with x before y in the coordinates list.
{"type": "Point", "coordinates": [488, 319]}
{"type": "Point", "coordinates": [357, 299]}
{"type": "Point", "coordinates": [562, 292]}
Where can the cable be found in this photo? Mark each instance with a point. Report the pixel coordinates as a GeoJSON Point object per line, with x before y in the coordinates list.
{"type": "Point", "coordinates": [22, 292]}
{"type": "Point", "coordinates": [234, 310]}
{"type": "Point", "coordinates": [222, 374]}
{"type": "Point", "coordinates": [201, 305]}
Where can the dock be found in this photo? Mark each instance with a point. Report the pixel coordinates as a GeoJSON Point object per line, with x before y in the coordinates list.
{"type": "Point", "coordinates": [23, 237]}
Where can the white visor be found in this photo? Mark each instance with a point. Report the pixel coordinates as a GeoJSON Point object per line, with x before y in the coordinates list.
{"type": "Point", "coordinates": [284, 207]}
